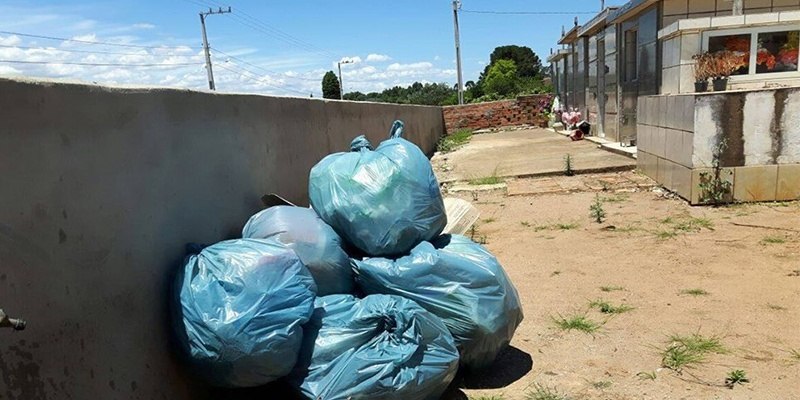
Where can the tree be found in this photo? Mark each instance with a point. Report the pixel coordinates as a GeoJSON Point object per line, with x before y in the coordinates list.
{"type": "Point", "coordinates": [501, 78]}
{"type": "Point", "coordinates": [528, 63]}
{"type": "Point", "coordinates": [330, 86]}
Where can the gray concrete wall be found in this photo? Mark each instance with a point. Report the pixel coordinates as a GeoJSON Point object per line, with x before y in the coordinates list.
{"type": "Point", "coordinates": [99, 191]}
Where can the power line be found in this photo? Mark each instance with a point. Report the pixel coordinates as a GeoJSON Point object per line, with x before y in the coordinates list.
{"type": "Point", "coordinates": [262, 68]}
{"type": "Point", "coordinates": [528, 12]}
{"type": "Point", "coordinates": [254, 23]}
{"type": "Point", "coordinates": [243, 73]}
{"type": "Point", "coordinates": [76, 51]}
{"type": "Point", "coordinates": [98, 64]}
{"type": "Point", "coordinates": [95, 42]}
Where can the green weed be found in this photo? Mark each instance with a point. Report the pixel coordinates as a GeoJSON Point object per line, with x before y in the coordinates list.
{"type": "Point", "coordinates": [596, 210]}
{"type": "Point", "coordinates": [540, 392]}
{"type": "Point", "coordinates": [695, 292]}
{"type": "Point", "coordinates": [736, 377]}
{"type": "Point", "coordinates": [608, 308]}
{"type": "Point", "coordinates": [685, 351]}
{"type": "Point", "coordinates": [647, 375]}
{"type": "Point", "coordinates": [577, 322]}
{"type": "Point", "coordinates": [455, 140]}
{"type": "Point", "coordinates": [602, 384]}
{"type": "Point", "coordinates": [611, 288]}
{"type": "Point", "coordinates": [773, 240]}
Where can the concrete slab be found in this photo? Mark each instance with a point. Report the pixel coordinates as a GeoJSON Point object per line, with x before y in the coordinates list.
{"type": "Point", "coordinates": [525, 153]}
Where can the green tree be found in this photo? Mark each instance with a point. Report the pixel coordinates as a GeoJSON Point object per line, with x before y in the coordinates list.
{"type": "Point", "coordinates": [528, 63]}
{"type": "Point", "coordinates": [501, 78]}
{"type": "Point", "coordinates": [330, 86]}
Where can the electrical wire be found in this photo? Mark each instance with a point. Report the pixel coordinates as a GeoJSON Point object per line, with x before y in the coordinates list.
{"type": "Point", "coordinates": [261, 68]}
{"type": "Point", "coordinates": [96, 42]}
{"type": "Point", "coordinates": [99, 64]}
{"type": "Point", "coordinates": [258, 79]}
{"type": "Point", "coordinates": [528, 12]}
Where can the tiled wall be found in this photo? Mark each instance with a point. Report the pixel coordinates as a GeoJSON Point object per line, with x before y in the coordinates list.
{"type": "Point", "coordinates": [680, 9]}
{"type": "Point", "coordinates": [678, 135]}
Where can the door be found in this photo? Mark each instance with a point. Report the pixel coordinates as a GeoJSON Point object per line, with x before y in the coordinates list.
{"type": "Point", "coordinates": [630, 85]}
{"type": "Point", "coordinates": [601, 87]}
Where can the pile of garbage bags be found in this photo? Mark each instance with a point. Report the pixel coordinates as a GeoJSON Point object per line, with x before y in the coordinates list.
{"type": "Point", "coordinates": [360, 296]}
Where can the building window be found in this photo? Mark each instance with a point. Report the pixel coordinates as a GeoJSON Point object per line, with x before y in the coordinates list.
{"type": "Point", "coordinates": [631, 66]}
{"type": "Point", "coordinates": [738, 44]}
{"type": "Point", "coordinates": [764, 51]}
{"type": "Point", "coordinates": [777, 52]}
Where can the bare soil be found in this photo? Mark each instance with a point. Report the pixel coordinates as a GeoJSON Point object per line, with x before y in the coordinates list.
{"type": "Point", "coordinates": [652, 248]}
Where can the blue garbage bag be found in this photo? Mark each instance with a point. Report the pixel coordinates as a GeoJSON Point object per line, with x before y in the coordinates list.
{"type": "Point", "coordinates": [316, 243]}
{"type": "Point", "coordinates": [241, 307]}
{"type": "Point", "coordinates": [460, 282]}
{"type": "Point", "coordinates": [384, 202]}
{"type": "Point", "coordinates": [377, 348]}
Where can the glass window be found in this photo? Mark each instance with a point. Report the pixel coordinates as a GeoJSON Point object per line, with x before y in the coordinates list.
{"type": "Point", "coordinates": [777, 52]}
{"type": "Point", "coordinates": [631, 66]}
{"type": "Point", "coordinates": [739, 44]}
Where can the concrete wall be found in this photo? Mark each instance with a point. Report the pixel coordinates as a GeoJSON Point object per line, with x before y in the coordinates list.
{"type": "Point", "coordinates": [99, 192]}
{"type": "Point", "coordinates": [761, 129]}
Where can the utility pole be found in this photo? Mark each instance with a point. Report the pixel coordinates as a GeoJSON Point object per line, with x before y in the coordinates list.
{"type": "Point", "coordinates": [341, 87]}
{"type": "Point", "coordinates": [203, 16]}
{"type": "Point", "coordinates": [738, 7]}
{"type": "Point", "coordinates": [602, 5]}
{"type": "Point", "coordinates": [456, 7]}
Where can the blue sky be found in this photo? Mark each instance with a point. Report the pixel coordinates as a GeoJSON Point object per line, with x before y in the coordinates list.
{"type": "Point", "coordinates": [271, 47]}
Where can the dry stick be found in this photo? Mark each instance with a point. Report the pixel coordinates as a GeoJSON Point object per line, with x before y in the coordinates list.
{"type": "Point", "coordinates": [765, 227]}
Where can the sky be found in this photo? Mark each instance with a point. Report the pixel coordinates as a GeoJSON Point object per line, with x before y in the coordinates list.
{"type": "Point", "coordinates": [270, 46]}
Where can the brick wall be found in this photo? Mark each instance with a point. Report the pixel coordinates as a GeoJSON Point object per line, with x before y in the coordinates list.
{"type": "Point", "coordinates": [525, 110]}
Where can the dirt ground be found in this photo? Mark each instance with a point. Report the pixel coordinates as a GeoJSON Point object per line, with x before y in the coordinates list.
{"type": "Point", "coordinates": [649, 250]}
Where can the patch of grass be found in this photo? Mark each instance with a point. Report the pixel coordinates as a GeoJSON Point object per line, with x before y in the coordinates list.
{"type": "Point", "coordinates": [686, 351]}
{"type": "Point", "coordinates": [602, 384]}
{"type": "Point", "coordinates": [566, 227]}
{"type": "Point", "coordinates": [617, 198]}
{"type": "Point", "coordinates": [693, 224]}
{"type": "Point", "coordinates": [773, 240]}
{"type": "Point", "coordinates": [608, 308]}
{"type": "Point", "coordinates": [695, 292]}
{"type": "Point", "coordinates": [486, 180]}
{"type": "Point", "coordinates": [568, 171]}
{"type": "Point", "coordinates": [539, 392]}
{"type": "Point", "coordinates": [611, 288]}
{"type": "Point", "coordinates": [736, 377]}
{"type": "Point", "coordinates": [794, 354]}
{"type": "Point", "coordinates": [776, 307]}
{"type": "Point", "coordinates": [664, 235]}
{"type": "Point", "coordinates": [577, 322]}
{"type": "Point", "coordinates": [453, 141]}
{"type": "Point", "coordinates": [651, 375]}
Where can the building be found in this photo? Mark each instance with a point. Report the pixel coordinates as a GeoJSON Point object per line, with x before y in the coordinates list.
{"type": "Point", "coordinates": [630, 71]}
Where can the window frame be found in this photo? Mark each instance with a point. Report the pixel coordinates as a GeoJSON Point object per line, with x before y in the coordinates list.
{"type": "Point", "coordinates": [752, 75]}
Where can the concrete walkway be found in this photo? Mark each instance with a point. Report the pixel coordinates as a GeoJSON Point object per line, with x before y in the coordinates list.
{"type": "Point", "coordinates": [524, 153]}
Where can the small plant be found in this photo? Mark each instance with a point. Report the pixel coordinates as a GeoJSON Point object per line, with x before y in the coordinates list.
{"type": "Point", "coordinates": [773, 240]}
{"type": "Point", "coordinates": [794, 354]}
{"type": "Point", "coordinates": [539, 392]}
{"type": "Point", "coordinates": [525, 224]}
{"type": "Point", "coordinates": [555, 273]}
{"type": "Point", "coordinates": [568, 171]}
{"type": "Point", "coordinates": [596, 210]}
{"type": "Point", "coordinates": [608, 308]}
{"type": "Point", "coordinates": [736, 377]}
{"type": "Point", "coordinates": [453, 141]}
{"type": "Point", "coordinates": [602, 384]}
{"type": "Point", "coordinates": [677, 357]}
{"type": "Point", "coordinates": [611, 288]}
{"type": "Point", "coordinates": [664, 235]}
{"type": "Point", "coordinates": [489, 220]}
{"type": "Point", "coordinates": [566, 226]}
{"type": "Point", "coordinates": [695, 292]}
{"type": "Point", "coordinates": [714, 189]}
{"type": "Point", "coordinates": [698, 343]}
{"type": "Point", "coordinates": [647, 375]}
{"type": "Point", "coordinates": [578, 323]}
{"type": "Point", "coordinates": [776, 307]}
{"type": "Point", "coordinates": [487, 180]}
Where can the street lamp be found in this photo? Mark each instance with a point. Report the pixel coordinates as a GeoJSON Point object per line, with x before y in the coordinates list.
{"type": "Point", "coordinates": [341, 89]}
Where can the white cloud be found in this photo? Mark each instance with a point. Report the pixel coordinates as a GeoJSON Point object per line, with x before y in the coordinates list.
{"type": "Point", "coordinates": [143, 25]}
{"type": "Point", "coordinates": [437, 58]}
{"type": "Point", "coordinates": [378, 58]}
{"type": "Point", "coordinates": [410, 67]}
{"type": "Point", "coordinates": [12, 40]}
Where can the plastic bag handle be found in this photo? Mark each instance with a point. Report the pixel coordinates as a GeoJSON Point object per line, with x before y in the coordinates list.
{"type": "Point", "coordinates": [397, 130]}
{"type": "Point", "coordinates": [360, 143]}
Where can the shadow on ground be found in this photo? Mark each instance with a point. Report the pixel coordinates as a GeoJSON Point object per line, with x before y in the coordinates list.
{"type": "Point", "coordinates": [511, 365]}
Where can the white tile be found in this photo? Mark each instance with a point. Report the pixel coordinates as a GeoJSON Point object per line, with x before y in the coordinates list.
{"type": "Point", "coordinates": [690, 46]}
{"type": "Point", "coordinates": [789, 16]}
{"type": "Point", "coordinates": [761, 18]}
{"type": "Point", "coordinates": [733, 20]}
{"type": "Point", "coordinates": [694, 23]}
